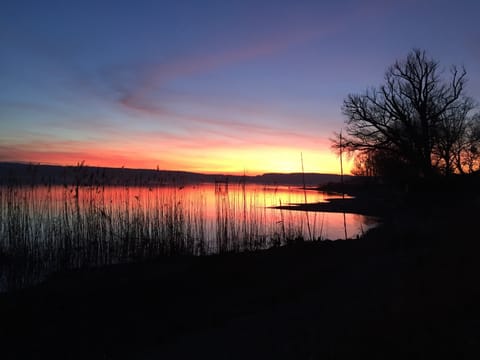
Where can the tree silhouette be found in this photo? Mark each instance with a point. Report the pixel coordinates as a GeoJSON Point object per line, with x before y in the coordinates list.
{"type": "Point", "coordinates": [416, 120]}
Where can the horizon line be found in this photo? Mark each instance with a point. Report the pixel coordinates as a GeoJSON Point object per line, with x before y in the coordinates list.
{"type": "Point", "coordinates": [240, 173]}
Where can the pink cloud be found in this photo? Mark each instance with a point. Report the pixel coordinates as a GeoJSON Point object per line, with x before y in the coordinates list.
{"type": "Point", "coordinates": [161, 74]}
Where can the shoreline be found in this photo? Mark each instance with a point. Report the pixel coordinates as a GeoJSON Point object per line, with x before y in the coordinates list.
{"type": "Point", "coordinates": [356, 205]}
{"type": "Point", "coordinates": [407, 288]}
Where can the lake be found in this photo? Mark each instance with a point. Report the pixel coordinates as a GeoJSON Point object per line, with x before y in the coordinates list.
{"type": "Point", "coordinates": [49, 228]}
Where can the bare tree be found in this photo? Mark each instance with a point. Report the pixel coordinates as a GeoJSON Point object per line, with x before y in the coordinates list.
{"type": "Point", "coordinates": [415, 117]}
{"type": "Point", "coordinates": [467, 152]}
{"type": "Point", "coordinates": [452, 138]}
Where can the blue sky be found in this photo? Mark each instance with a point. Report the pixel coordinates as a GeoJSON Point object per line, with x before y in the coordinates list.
{"type": "Point", "coordinates": [214, 86]}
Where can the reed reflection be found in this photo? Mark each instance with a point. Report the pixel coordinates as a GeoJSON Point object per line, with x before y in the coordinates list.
{"type": "Point", "coordinates": [44, 229]}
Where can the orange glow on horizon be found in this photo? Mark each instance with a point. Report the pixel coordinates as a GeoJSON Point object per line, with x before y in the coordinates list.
{"type": "Point", "coordinates": [255, 161]}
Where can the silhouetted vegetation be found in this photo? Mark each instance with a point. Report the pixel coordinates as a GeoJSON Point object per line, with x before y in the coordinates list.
{"type": "Point", "coordinates": [417, 124]}
{"type": "Point", "coordinates": [408, 289]}
{"type": "Point", "coordinates": [48, 228]}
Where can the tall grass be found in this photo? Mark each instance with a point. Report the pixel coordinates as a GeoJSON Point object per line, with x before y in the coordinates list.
{"type": "Point", "coordinates": [50, 228]}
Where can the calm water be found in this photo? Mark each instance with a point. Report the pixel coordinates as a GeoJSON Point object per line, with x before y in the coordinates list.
{"type": "Point", "coordinates": [44, 229]}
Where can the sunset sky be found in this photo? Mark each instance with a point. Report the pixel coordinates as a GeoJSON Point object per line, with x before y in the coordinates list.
{"type": "Point", "coordinates": [207, 86]}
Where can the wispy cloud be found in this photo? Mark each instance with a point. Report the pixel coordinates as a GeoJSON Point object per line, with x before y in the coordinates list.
{"type": "Point", "coordinates": [156, 77]}
{"type": "Point", "coordinates": [129, 113]}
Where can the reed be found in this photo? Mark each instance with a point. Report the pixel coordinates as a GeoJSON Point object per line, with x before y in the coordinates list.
{"type": "Point", "coordinates": [52, 228]}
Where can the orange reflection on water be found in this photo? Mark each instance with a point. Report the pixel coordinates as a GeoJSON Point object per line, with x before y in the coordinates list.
{"type": "Point", "coordinates": [244, 209]}
{"type": "Point", "coordinates": [50, 228]}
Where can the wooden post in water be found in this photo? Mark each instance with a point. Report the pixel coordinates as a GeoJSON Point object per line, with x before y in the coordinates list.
{"type": "Point", "coordinates": [305, 197]}
{"type": "Point", "coordinates": [342, 185]}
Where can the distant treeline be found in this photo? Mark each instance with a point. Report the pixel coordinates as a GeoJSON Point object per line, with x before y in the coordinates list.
{"type": "Point", "coordinates": [35, 174]}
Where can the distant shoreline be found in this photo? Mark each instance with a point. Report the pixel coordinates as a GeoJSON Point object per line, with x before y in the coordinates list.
{"type": "Point", "coordinates": [32, 174]}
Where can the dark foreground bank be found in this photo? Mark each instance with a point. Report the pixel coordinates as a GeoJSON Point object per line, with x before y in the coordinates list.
{"type": "Point", "coordinates": [409, 289]}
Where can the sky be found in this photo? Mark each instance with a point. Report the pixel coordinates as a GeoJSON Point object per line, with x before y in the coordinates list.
{"type": "Point", "coordinates": [207, 86]}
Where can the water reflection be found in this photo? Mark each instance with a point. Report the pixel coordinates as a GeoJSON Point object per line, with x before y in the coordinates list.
{"type": "Point", "coordinates": [44, 229]}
